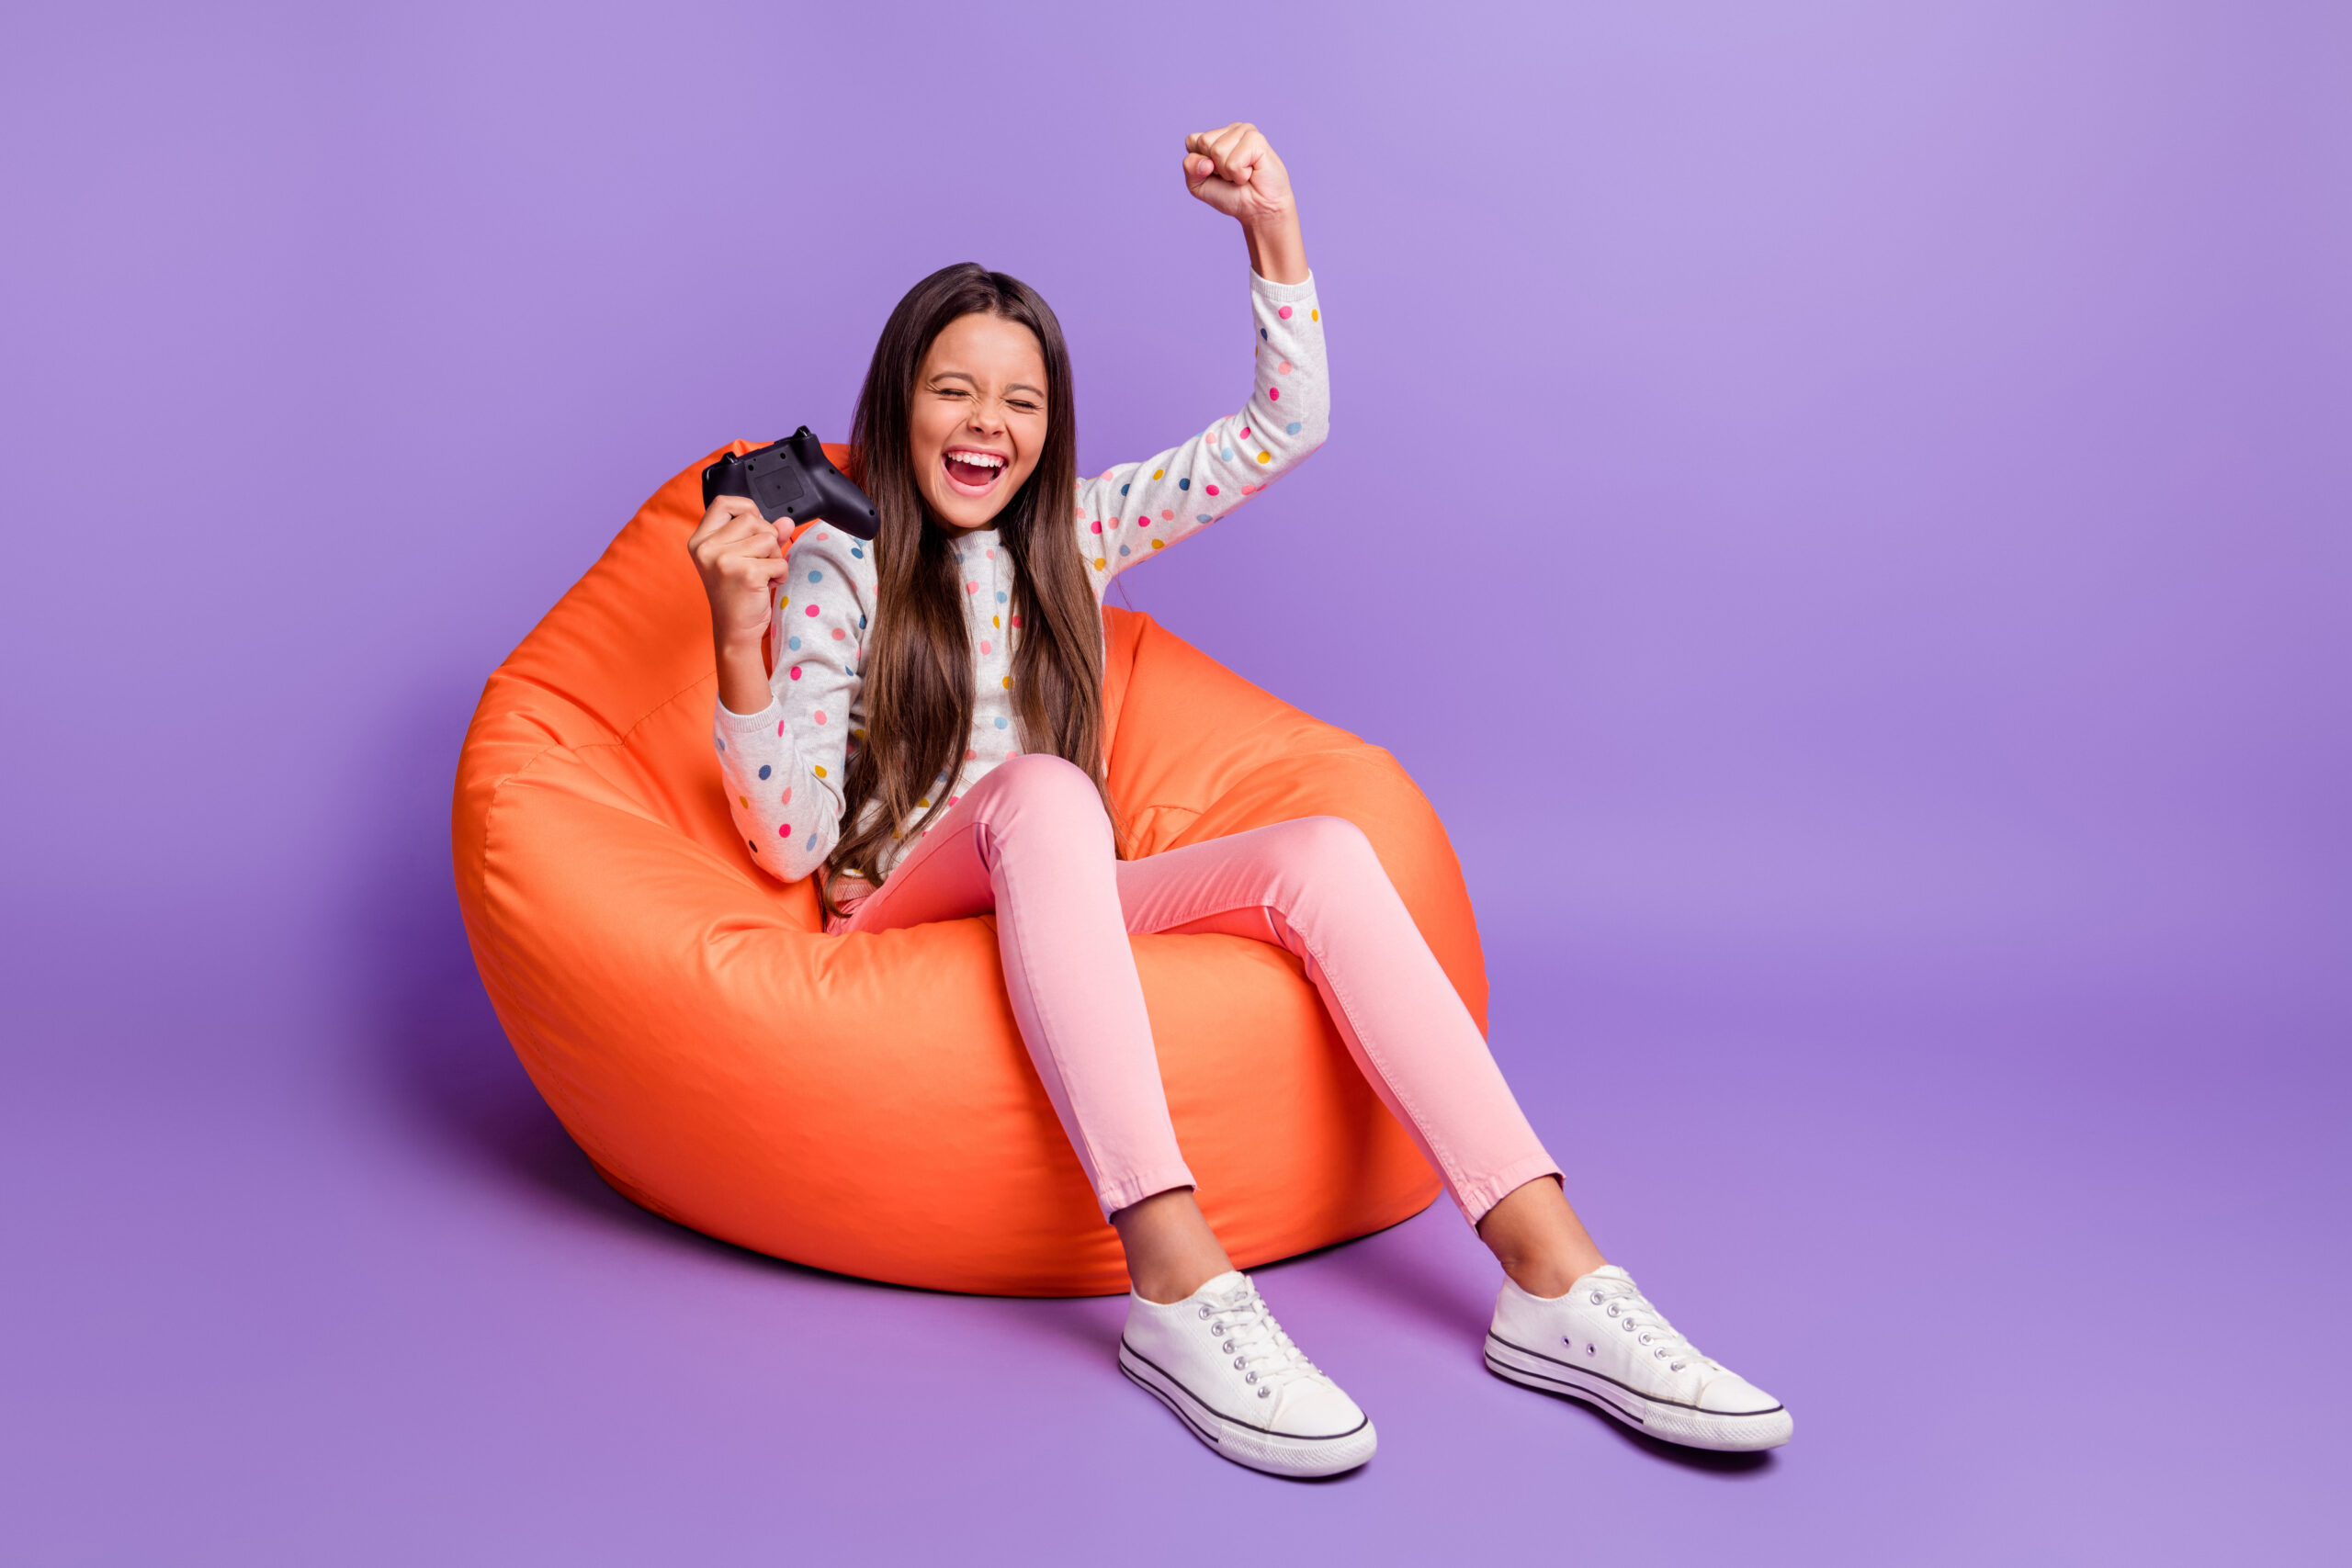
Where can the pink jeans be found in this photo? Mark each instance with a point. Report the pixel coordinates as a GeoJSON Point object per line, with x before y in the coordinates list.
{"type": "Point", "coordinates": [1030, 841]}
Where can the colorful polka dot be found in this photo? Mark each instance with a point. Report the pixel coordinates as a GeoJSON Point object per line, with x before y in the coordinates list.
{"type": "Point", "coordinates": [840, 634]}
{"type": "Point", "coordinates": [1315, 315]}
{"type": "Point", "coordinates": [1202, 518]}
{"type": "Point", "coordinates": [785, 831]}
{"type": "Point", "coordinates": [1100, 563]}
{"type": "Point", "coordinates": [1098, 527]}
{"type": "Point", "coordinates": [1245, 433]}
{"type": "Point", "coordinates": [1159, 473]}
{"type": "Point", "coordinates": [1001, 723]}
{"type": "Point", "coordinates": [1001, 597]}
{"type": "Point", "coordinates": [984, 645]}
{"type": "Point", "coordinates": [1162, 543]}
{"type": "Point", "coordinates": [1167, 515]}
{"type": "Point", "coordinates": [1123, 550]}
{"type": "Point", "coordinates": [793, 643]}
{"type": "Point", "coordinates": [795, 671]}
{"type": "Point", "coordinates": [744, 801]}
{"type": "Point", "coordinates": [819, 716]}
{"type": "Point", "coordinates": [1273, 394]}
{"type": "Point", "coordinates": [971, 588]}
{"type": "Point", "coordinates": [1284, 368]}
{"type": "Point", "coordinates": [1284, 312]}
{"type": "Point", "coordinates": [1210, 488]}
{"type": "Point", "coordinates": [1266, 456]}
{"type": "Point", "coordinates": [1122, 490]}
{"type": "Point", "coordinates": [766, 770]}
{"type": "Point", "coordinates": [816, 577]}
{"type": "Point", "coordinates": [786, 800]}
{"type": "Point", "coordinates": [1293, 427]}
{"type": "Point", "coordinates": [1183, 484]}
{"type": "Point", "coordinates": [1008, 682]}
{"type": "Point", "coordinates": [722, 742]}
{"type": "Point", "coordinates": [812, 609]}
{"type": "Point", "coordinates": [817, 769]}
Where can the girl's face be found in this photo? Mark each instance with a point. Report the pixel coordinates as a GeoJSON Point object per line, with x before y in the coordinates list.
{"type": "Point", "coordinates": [978, 422]}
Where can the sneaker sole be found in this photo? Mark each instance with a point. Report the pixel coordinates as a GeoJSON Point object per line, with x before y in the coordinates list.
{"type": "Point", "coordinates": [1723, 1431]}
{"type": "Point", "coordinates": [1274, 1454]}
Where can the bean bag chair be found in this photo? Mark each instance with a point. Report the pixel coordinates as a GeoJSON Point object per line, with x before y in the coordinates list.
{"type": "Point", "coordinates": [863, 1103]}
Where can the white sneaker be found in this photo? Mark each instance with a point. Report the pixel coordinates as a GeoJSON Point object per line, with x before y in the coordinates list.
{"type": "Point", "coordinates": [1220, 1361]}
{"type": "Point", "coordinates": [1605, 1344]}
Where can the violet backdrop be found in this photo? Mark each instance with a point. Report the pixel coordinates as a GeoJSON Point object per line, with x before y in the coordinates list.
{"type": "Point", "coordinates": [1885, 471]}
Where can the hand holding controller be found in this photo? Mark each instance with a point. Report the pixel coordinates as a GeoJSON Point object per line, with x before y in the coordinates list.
{"type": "Point", "coordinates": [793, 479]}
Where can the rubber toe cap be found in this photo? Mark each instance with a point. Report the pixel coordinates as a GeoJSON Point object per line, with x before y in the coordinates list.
{"type": "Point", "coordinates": [1316, 1409]}
{"type": "Point", "coordinates": [1731, 1395]}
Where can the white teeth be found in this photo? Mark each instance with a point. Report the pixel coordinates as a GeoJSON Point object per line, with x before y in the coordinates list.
{"type": "Point", "coordinates": [979, 460]}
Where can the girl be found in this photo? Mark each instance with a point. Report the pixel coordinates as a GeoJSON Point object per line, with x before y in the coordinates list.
{"type": "Point", "coordinates": [931, 742]}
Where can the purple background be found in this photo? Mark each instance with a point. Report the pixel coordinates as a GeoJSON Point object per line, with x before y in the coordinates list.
{"type": "Point", "coordinates": [1878, 476]}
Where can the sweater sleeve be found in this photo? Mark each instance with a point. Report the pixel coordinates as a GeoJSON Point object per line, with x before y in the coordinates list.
{"type": "Point", "coordinates": [783, 768]}
{"type": "Point", "coordinates": [1137, 509]}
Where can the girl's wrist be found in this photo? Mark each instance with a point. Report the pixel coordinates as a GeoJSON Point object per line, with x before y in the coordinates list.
{"type": "Point", "coordinates": [1277, 251]}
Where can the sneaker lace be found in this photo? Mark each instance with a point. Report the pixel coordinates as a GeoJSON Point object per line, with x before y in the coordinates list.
{"type": "Point", "coordinates": [1262, 1352]}
{"type": "Point", "coordinates": [1633, 1314]}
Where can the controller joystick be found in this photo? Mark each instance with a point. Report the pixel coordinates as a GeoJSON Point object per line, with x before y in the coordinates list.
{"type": "Point", "coordinates": [793, 479]}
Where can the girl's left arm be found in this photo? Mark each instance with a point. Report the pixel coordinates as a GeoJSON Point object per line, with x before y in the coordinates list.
{"type": "Point", "coordinates": [1137, 509]}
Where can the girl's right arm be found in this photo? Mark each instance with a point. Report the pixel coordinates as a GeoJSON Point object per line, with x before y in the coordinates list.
{"type": "Point", "coordinates": [782, 741]}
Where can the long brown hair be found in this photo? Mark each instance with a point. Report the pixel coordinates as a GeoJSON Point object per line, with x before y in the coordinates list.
{"type": "Point", "coordinates": [918, 657]}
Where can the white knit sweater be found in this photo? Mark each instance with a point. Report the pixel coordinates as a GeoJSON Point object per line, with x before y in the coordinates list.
{"type": "Point", "coordinates": [785, 767]}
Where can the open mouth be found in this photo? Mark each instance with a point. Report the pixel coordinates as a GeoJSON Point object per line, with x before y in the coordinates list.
{"type": "Point", "coordinates": [971, 471]}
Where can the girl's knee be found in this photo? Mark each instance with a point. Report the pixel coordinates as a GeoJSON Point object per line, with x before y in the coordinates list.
{"type": "Point", "coordinates": [1054, 788]}
{"type": "Point", "coordinates": [1329, 845]}
{"type": "Point", "coordinates": [1043, 775]}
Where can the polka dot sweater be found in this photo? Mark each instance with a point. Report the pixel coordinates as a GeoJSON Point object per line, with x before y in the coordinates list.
{"type": "Point", "coordinates": [786, 767]}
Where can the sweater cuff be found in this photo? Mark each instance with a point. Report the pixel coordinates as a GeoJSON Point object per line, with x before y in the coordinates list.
{"type": "Point", "coordinates": [729, 727]}
{"type": "Point", "coordinates": [1276, 293]}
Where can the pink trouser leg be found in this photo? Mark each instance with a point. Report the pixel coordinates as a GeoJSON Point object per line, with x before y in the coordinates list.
{"type": "Point", "coordinates": [1316, 888]}
{"type": "Point", "coordinates": [1030, 841]}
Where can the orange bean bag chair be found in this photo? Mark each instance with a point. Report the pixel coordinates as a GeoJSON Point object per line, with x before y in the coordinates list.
{"type": "Point", "coordinates": [864, 1104]}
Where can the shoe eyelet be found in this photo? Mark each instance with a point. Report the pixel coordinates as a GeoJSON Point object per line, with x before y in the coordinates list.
{"type": "Point", "coordinates": [1592, 1349]}
{"type": "Point", "coordinates": [1265, 1394]}
{"type": "Point", "coordinates": [1227, 1346]}
{"type": "Point", "coordinates": [1205, 1315]}
{"type": "Point", "coordinates": [1678, 1366]}
{"type": "Point", "coordinates": [1250, 1377]}
{"type": "Point", "coordinates": [1596, 1298]}
{"type": "Point", "coordinates": [1612, 1309]}
{"type": "Point", "coordinates": [1645, 1340]}
{"type": "Point", "coordinates": [1659, 1352]}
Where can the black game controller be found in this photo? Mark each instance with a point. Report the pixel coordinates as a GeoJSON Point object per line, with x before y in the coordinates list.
{"type": "Point", "coordinates": [793, 479]}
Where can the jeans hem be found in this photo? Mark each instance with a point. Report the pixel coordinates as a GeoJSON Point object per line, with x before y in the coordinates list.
{"type": "Point", "coordinates": [1475, 1198]}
